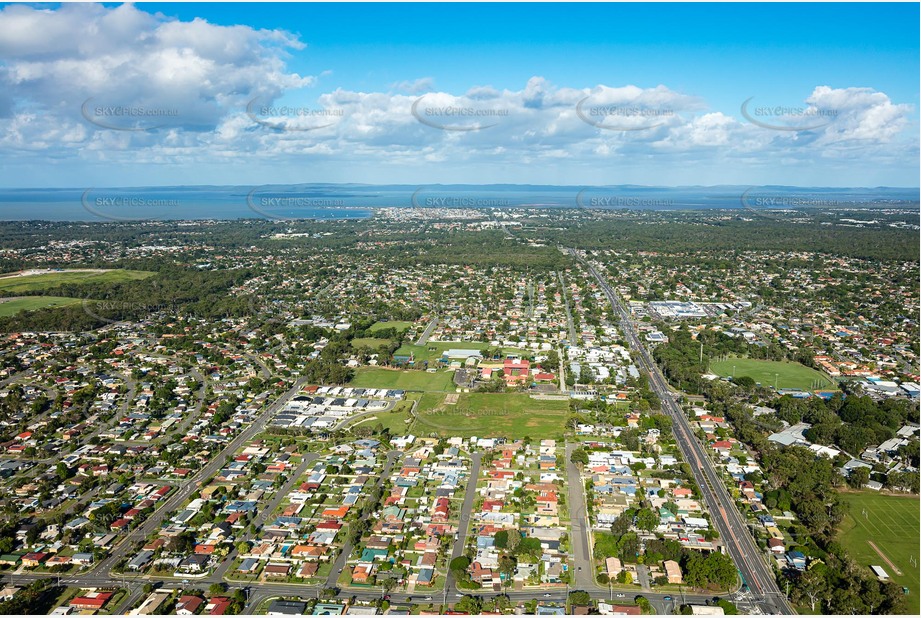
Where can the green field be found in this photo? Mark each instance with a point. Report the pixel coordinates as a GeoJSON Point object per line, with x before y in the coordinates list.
{"type": "Point", "coordinates": [511, 415]}
{"type": "Point", "coordinates": [399, 326]}
{"type": "Point", "coordinates": [892, 524]}
{"type": "Point", "coordinates": [433, 350]}
{"type": "Point", "coordinates": [369, 342]}
{"type": "Point", "coordinates": [11, 285]}
{"type": "Point", "coordinates": [788, 375]}
{"type": "Point", "coordinates": [409, 380]}
{"type": "Point", "coordinates": [12, 307]}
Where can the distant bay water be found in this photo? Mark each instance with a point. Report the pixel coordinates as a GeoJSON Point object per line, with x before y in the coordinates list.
{"type": "Point", "coordinates": [352, 201]}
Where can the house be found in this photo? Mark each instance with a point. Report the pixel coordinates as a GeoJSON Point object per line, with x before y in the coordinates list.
{"type": "Point", "coordinates": [34, 559]}
{"type": "Point", "coordinates": [217, 606]}
{"type": "Point", "coordinates": [196, 563]}
{"type": "Point", "coordinates": [308, 569]}
{"type": "Point", "coordinates": [673, 572]}
{"type": "Point", "coordinates": [280, 607]}
{"type": "Point", "coordinates": [797, 559]}
{"type": "Point", "coordinates": [361, 572]}
{"type": "Point", "coordinates": [188, 605]}
{"type": "Point", "coordinates": [277, 570]}
{"type": "Point", "coordinates": [91, 600]}
{"type": "Point", "coordinates": [442, 506]}
{"type": "Point", "coordinates": [775, 545]}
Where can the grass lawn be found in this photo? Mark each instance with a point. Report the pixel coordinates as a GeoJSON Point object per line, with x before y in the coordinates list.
{"type": "Point", "coordinates": [32, 283]}
{"type": "Point", "coordinates": [789, 375]}
{"type": "Point", "coordinates": [369, 342]}
{"type": "Point", "coordinates": [433, 350]}
{"type": "Point", "coordinates": [408, 380]}
{"type": "Point", "coordinates": [892, 524]}
{"type": "Point", "coordinates": [30, 303]}
{"type": "Point", "coordinates": [399, 326]}
{"type": "Point", "coordinates": [512, 415]}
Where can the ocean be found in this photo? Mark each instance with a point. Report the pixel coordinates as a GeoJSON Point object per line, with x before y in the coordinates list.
{"type": "Point", "coordinates": [351, 201]}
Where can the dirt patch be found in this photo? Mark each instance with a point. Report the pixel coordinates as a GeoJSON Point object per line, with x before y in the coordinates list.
{"type": "Point", "coordinates": [884, 557]}
{"type": "Point", "coordinates": [451, 399]}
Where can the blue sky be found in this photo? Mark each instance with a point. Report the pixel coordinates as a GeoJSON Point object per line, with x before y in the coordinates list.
{"type": "Point", "coordinates": [591, 94]}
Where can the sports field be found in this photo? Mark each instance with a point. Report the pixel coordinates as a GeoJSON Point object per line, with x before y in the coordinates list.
{"type": "Point", "coordinates": [891, 523]}
{"type": "Point", "coordinates": [12, 283]}
{"type": "Point", "coordinates": [397, 325]}
{"type": "Point", "coordinates": [30, 303]}
{"type": "Point", "coordinates": [787, 374]}
{"type": "Point", "coordinates": [487, 415]}
{"type": "Point", "coordinates": [369, 342]}
{"type": "Point", "coordinates": [408, 380]}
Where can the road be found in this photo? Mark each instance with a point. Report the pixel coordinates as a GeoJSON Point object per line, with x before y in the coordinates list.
{"type": "Point", "coordinates": [562, 357]}
{"type": "Point", "coordinates": [569, 326]}
{"type": "Point", "coordinates": [466, 515]}
{"type": "Point", "coordinates": [581, 528]}
{"type": "Point", "coordinates": [732, 528]}
{"type": "Point", "coordinates": [424, 337]}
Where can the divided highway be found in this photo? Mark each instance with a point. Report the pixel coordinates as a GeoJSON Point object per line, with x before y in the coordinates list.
{"type": "Point", "coordinates": [728, 521]}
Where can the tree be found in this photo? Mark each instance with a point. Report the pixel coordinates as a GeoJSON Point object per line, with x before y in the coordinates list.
{"type": "Point", "coordinates": [514, 540]}
{"type": "Point", "coordinates": [469, 604]}
{"type": "Point", "coordinates": [217, 589]}
{"type": "Point", "coordinates": [621, 525]}
{"type": "Point", "coordinates": [579, 597]}
{"type": "Point", "coordinates": [858, 477]}
{"type": "Point", "coordinates": [460, 564]}
{"type": "Point", "coordinates": [579, 456]}
{"type": "Point", "coordinates": [507, 566]}
{"type": "Point", "coordinates": [646, 519]}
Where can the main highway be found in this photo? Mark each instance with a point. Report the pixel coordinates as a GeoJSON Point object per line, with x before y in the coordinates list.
{"type": "Point", "coordinates": [751, 562]}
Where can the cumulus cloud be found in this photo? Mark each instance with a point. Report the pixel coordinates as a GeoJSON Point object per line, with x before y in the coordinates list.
{"type": "Point", "coordinates": [216, 93]}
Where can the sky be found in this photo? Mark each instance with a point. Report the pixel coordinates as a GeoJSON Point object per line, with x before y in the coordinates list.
{"type": "Point", "coordinates": [821, 94]}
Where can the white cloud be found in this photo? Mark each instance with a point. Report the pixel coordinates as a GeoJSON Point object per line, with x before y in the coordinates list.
{"type": "Point", "coordinates": [207, 74]}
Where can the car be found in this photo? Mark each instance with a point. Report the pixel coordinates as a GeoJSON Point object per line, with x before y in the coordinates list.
{"type": "Point", "coordinates": [666, 598]}
{"type": "Point", "coordinates": [428, 598]}
{"type": "Point", "coordinates": [620, 595]}
{"type": "Point", "coordinates": [459, 596]}
{"type": "Point", "coordinates": [386, 597]}
{"type": "Point", "coordinates": [548, 595]}
{"type": "Point", "coordinates": [580, 568]}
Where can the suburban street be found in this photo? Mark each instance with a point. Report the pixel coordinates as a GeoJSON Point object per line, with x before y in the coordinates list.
{"type": "Point", "coordinates": [465, 517]}
{"type": "Point", "coordinates": [177, 498]}
{"type": "Point", "coordinates": [343, 557]}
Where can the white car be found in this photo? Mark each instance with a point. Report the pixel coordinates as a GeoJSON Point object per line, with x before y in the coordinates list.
{"type": "Point", "coordinates": [620, 595]}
